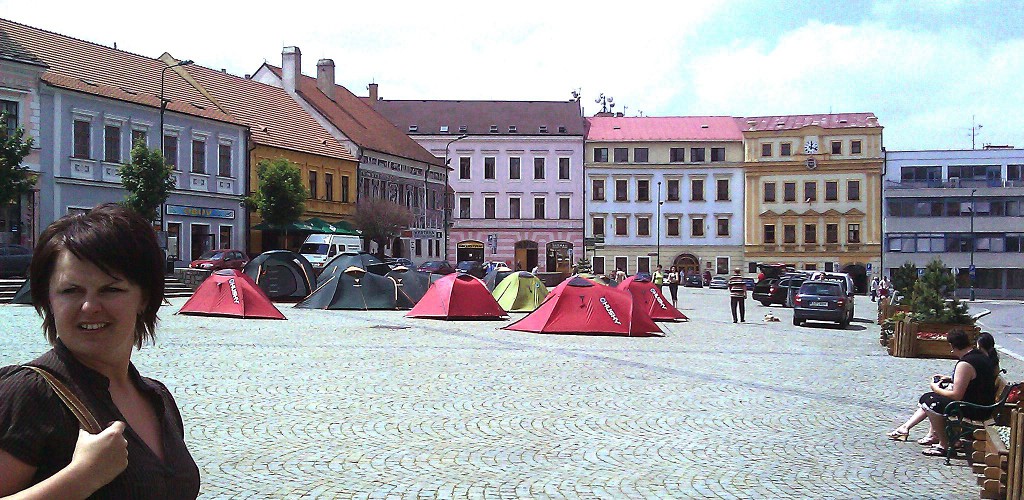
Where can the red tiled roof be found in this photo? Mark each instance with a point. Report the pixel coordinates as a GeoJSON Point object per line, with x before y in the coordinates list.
{"type": "Point", "coordinates": [793, 122]}
{"type": "Point", "coordinates": [359, 122]}
{"type": "Point", "coordinates": [99, 70]}
{"type": "Point", "coordinates": [478, 116]}
{"type": "Point", "coordinates": [275, 119]}
{"type": "Point", "coordinates": [663, 128]}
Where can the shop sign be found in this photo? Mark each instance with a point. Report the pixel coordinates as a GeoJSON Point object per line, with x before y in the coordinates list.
{"type": "Point", "coordinates": [470, 245]}
{"type": "Point", "coordinates": [212, 213]}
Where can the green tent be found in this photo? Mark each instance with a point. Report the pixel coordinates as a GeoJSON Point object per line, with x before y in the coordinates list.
{"type": "Point", "coordinates": [520, 292]}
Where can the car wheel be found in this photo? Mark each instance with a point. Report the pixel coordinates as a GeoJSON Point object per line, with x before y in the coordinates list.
{"type": "Point", "coordinates": [797, 322]}
{"type": "Point", "coordinates": [844, 323]}
{"type": "Point", "coordinates": [766, 303]}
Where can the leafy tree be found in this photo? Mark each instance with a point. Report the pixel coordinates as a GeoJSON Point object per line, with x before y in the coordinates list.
{"type": "Point", "coordinates": [148, 181]}
{"type": "Point", "coordinates": [929, 300]}
{"type": "Point", "coordinates": [280, 197]}
{"type": "Point", "coordinates": [381, 221]}
{"type": "Point", "coordinates": [584, 265]}
{"type": "Point", "coordinates": [15, 179]}
{"type": "Point", "coordinates": [904, 277]}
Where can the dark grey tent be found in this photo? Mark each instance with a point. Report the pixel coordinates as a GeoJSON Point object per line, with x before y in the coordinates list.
{"type": "Point", "coordinates": [24, 294]}
{"type": "Point", "coordinates": [495, 276]}
{"type": "Point", "coordinates": [345, 260]}
{"type": "Point", "coordinates": [352, 289]}
{"type": "Point", "coordinates": [411, 285]}
{"type": "Point", "coordinates": [282, 274]}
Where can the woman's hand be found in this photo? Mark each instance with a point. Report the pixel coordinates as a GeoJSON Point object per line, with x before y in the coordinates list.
{"type": "Point", "coordinates": [101, 457]}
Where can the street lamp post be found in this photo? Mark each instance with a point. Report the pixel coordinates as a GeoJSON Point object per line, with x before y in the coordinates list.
{"type": "Point", "coordinates": [971, 271]}
{"type": "Point", "coordinates": [658, 261]}
{"type": "Point", "coordinates": [163, 102]}
{"type": "Point", "coordinates": [447, 208]}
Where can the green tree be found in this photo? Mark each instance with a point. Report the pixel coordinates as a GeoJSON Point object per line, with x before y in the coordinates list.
{"type": "Point", "coordinates": [280, 197]}
{"type": "Point", "coordinates": [904, 277]}
{"type": "Point", "coordinates": [148, 181]}
{"type": "Point", "coordinates": [584, 265]}
{"type": "Point", "coordinates": [930, 300]}
{"type": "Point", "coordinates": [381, 221]}
{"type": "Point", "coordinates": [15, 178]}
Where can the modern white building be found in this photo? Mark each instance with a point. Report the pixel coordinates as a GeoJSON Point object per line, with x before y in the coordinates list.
{"type": "Point", "coordinates": [965, 207]}
{"type": "Point", "coordinates": [664, 190]}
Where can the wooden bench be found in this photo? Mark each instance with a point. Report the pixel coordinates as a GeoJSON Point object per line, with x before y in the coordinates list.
{"type": "Point", "coordinates": [1015, 456]}
{"type": "Point", "coordinates": [989, 461]}
{"type": "Point", "coordinates": [960, 427]}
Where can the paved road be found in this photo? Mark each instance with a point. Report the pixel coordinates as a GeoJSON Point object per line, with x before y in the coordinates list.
{"type": "Point", "coordinates": [1004, 322]}
{"type": "Point", "coordinates": [373, 405]}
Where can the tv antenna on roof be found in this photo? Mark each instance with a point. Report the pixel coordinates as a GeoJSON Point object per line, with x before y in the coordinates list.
{"type": "Point", "coordinates": [975, 130]}
{"type": "Point", "coordinates": [607, 103]}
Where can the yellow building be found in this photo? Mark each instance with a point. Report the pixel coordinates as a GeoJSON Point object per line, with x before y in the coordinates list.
{"type": "Point", "coordinates": [813, 192]}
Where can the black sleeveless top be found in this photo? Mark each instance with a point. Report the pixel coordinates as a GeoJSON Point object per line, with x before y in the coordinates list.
{"type": "Point", "coordinates": [981, 390]}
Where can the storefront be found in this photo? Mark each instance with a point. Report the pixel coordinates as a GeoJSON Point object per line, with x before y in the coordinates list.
{"type": "Point", "coordinates": [194, 229]}
{"type": "Point", "coordinates": [469, 250]}
{"type": "Point", "coordinates": [559, 257]}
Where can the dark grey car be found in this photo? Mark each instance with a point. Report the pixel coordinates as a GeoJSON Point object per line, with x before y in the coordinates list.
{"type": "Point", "coordinates": [822, 301]}
{"type": "Point", "coordinates": [14, 260]}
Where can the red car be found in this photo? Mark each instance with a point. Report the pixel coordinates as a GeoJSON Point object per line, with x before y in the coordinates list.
{"type": "Point", "coordinates": [224, 258]}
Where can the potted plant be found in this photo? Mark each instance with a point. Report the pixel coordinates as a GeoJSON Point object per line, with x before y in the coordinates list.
{"type": "Point", "coordinates": [934, 312]}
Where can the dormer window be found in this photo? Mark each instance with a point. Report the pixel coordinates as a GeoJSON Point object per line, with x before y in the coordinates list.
{"type": "Point", "coordinates": [543, 129]}
{"type": "Point", "coordinates": [494, 129]}
{"type": "Point", "coordinates": [413, 128]}
{"type": "Point", "coordinates": [511, 129]}
{"type": "Point", "coordinates": [463, 129]}
{"type": "Point", "coordinates": [562, 129]}
{"type": "Point", "coordinates": [444, 129]}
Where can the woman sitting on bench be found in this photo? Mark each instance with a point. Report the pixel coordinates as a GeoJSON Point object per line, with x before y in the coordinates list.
{"type": "Point", "coordinates": [973, 381]}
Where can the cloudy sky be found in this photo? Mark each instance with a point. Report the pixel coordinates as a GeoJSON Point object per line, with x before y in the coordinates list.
{"type": "Point", "coordinates": [930, 69]}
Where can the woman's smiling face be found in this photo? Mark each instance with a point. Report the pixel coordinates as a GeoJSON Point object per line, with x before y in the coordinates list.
{"type": "Point", "coordinates": [95, 313]}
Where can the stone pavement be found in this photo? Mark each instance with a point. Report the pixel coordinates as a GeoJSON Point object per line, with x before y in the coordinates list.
{"type": "Point", "coordinates": [345, 404]}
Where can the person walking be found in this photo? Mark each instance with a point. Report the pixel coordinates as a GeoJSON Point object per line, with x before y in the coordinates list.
{"type": "Point", "coordinates": [874, 288]}
{"type": "Point", "coordinates": [737, 295]}
{"type": "Point", "coordinates": [673, 284]}
{"type": "Point", "coordinates": [884, 287]}
{"type": "Point", "coordinates": [659, 280]}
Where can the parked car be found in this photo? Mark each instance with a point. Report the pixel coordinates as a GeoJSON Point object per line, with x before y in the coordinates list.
{"type": "Point", "coordinates": [471, 267]}
{"type": "Point", "coordinates": [778, 291]}
{"type": "Point", "coordinates": [719, 282]}
{"type": "Point", "coordinates": [225, 258]}
{"type": "Point", "coordinates": [436, 267]}
{"type": "Point", "coordinates": [821, 300]}
{"type": "Point", "coordinates": [750, 283]}
{"type": "Point", "coordinates": [693, 281]}
{"type": "Point", "coordinates": [399, 261]}
{"type": "Point", "coordinates": [14, 260]}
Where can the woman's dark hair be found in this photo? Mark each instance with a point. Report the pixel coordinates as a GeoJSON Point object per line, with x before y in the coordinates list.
{"type": "Point", "coordinates": [988, 344]}
{"type": "Point", "coordinates": [115, 239]}
{"type": "Point", "coordinates": [958, 339]}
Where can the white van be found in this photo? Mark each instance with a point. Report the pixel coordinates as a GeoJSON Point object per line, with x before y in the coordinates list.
{"type": "Point", "coordinates": [319, 249]}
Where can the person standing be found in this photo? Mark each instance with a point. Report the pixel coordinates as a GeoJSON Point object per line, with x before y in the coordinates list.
{"type": "Point", "coordinates": [874, 288]}
{"type": "Point", "coordinates": [737, 295]}
{"type": "Point", "coordinates": [673, 284]}
{"type": "Point", "coordinates": [620, 275]}
{"type": "Point", "coordinates": [659, 280]}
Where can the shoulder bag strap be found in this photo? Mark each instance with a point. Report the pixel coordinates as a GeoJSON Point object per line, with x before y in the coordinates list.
{"type": "Point", "coordinates": [82, 413]}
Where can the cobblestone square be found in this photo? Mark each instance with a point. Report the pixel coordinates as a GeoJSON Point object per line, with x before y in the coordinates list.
{"type": "Point", "coordinates": [351, 404]}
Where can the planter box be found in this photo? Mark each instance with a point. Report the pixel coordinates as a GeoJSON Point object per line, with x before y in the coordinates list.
{"type": "Point", "coordinates": [906, 344]}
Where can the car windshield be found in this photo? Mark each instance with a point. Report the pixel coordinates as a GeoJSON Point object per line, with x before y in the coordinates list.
{"type": "Point", "coordinates": [211, 255]}
{"type": "Point", "coordinates": [820, 289]}
{"type": "Point", "coordinates": [466, 264]}
{"type": "Point", "coordinates": [313, 248]}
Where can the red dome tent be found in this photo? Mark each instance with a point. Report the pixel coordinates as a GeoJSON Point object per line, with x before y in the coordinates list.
{"type": "Point", "coordinates": [457, 296]}
{"type": "Point", "coordinates": [230, 293]}
{"type": "Point", "coordinates": [584, 307]}
{"type": "Point", "coordinates": [648, 294]}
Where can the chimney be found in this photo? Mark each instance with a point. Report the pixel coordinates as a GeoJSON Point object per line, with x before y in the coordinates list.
{"type": "Point", "coordinates": [291, 67]}
{"type": "Point", "coordinates": [373, 92]}
{"type": "Point", "coordinates": [325, 77]}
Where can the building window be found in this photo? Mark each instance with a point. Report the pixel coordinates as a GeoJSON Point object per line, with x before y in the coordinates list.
{"type": "Point", "coordinates": [225, 237]}
{"type": "Point", "coordinates": [810, 234]}
{"type": "Point", "coordinates": [621, 190]}
{"type": "Point", "coordinates": [810, 191]}
{"type": "Point", "coordinates": [224, 160]}
{"type": "Point", "coordinates": [696, 189]}
{"type": "Point", "coordinates": [514, 164]}
{"type": "Point", "coordinates": [538, 208]}
{"type": "Point", "coordinates": [837, 147]}
{"type": "Point", "coordinates": [139, 136]}
{"type": "Point", "coordinates": [601, 155]}
{"type": "Point", "coordinates": [620, 155]}
{"type": "Point", "coordinates": [643, 264]}
{"type": "Point", "coordinates": [697, 227]}
{"type": "Point", "coordinates": [789, 191]}
{"type": "Point", "coordinates": [717, 154]}
{"type": "Point", "coordinates": [831, 191]}
{"type": "Point", "coordinates": [786, 149]}
{"type": "Point", "coordinates": [83, 139]}
{"type": "Point", "coordinates": [789, 233]}
{"type": "Point", "coordinates": [643, 190]}
{"type": "Point", "coordinates": [312, 184]}
{"type": "Point", "coordinates": [853, 233]}
{"type": "Point", "coordinates": [643, 226]}
{"type": "Point", "coordinates": [598, 265]}
{"type": "Point", "coordinates": [538, 168]}
{"type": "Point", "coordinates": [673, 190]}
{"type": "Point", "coordinates": [465, 163]}
{"type": "Point", "coordinates": [489, 167]}
{"type": "Point", "coordinates": [832, 233]}
{"type": "Point", "coordinates": [766, 150]}
{"type": "Point", "coordinates": [563, 208]}
{"type": "Point", "coordinates": [329, 186]}
{"type": "Point", "coordinates": [171, 151]}
{"type": "Point", "coordinates": [673, 226]}
{"type": "Point", "coordinates": [620, 264]}
{"type": "Point", "coordinates": [769, 192]}
{"type": "Point", "coordinates": [199, 156]}
{"type": "Point", "coordinates": [464, 208]}
{"type": "Point", "coordinates": [563, 169]}
{"type": "Point", "coordinates": [419, 247]}
{"type": "Point", "coordinates": [513, 208]}
{"type": "Point", "coordinates": [640, 155]}
{"type": "Point", "coordinates": [598, 189]}
{"type": "Point", "coordinates": [722, 265]}
{"type": "Point", "coordinates": [112, 144]}
{"type": "Point", "coordinates": [597, 225]}
{"type": "Point", "coordinates": [620, 226]}
{"type": "Point", "coordinates": [722, 189]}
{"type": "Point", "coordinates": [769, 233]}
{"type": "Point", "coordinates": [677, 155]}
{"type": "Point", "coordinates": [9, 113]}
{"type": "Point", "coordinates": [488, 207]}
{"type": "Point", "coordinates": [344, 189]}
{"type": "Point", "coordinates": [697, 155]}
{"type": "Point", "coordinates": [853, 190]}
{"type": "Point", "coordinates": [855, 147]}
{"type": "Point", "coordinates": [723, 226]}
